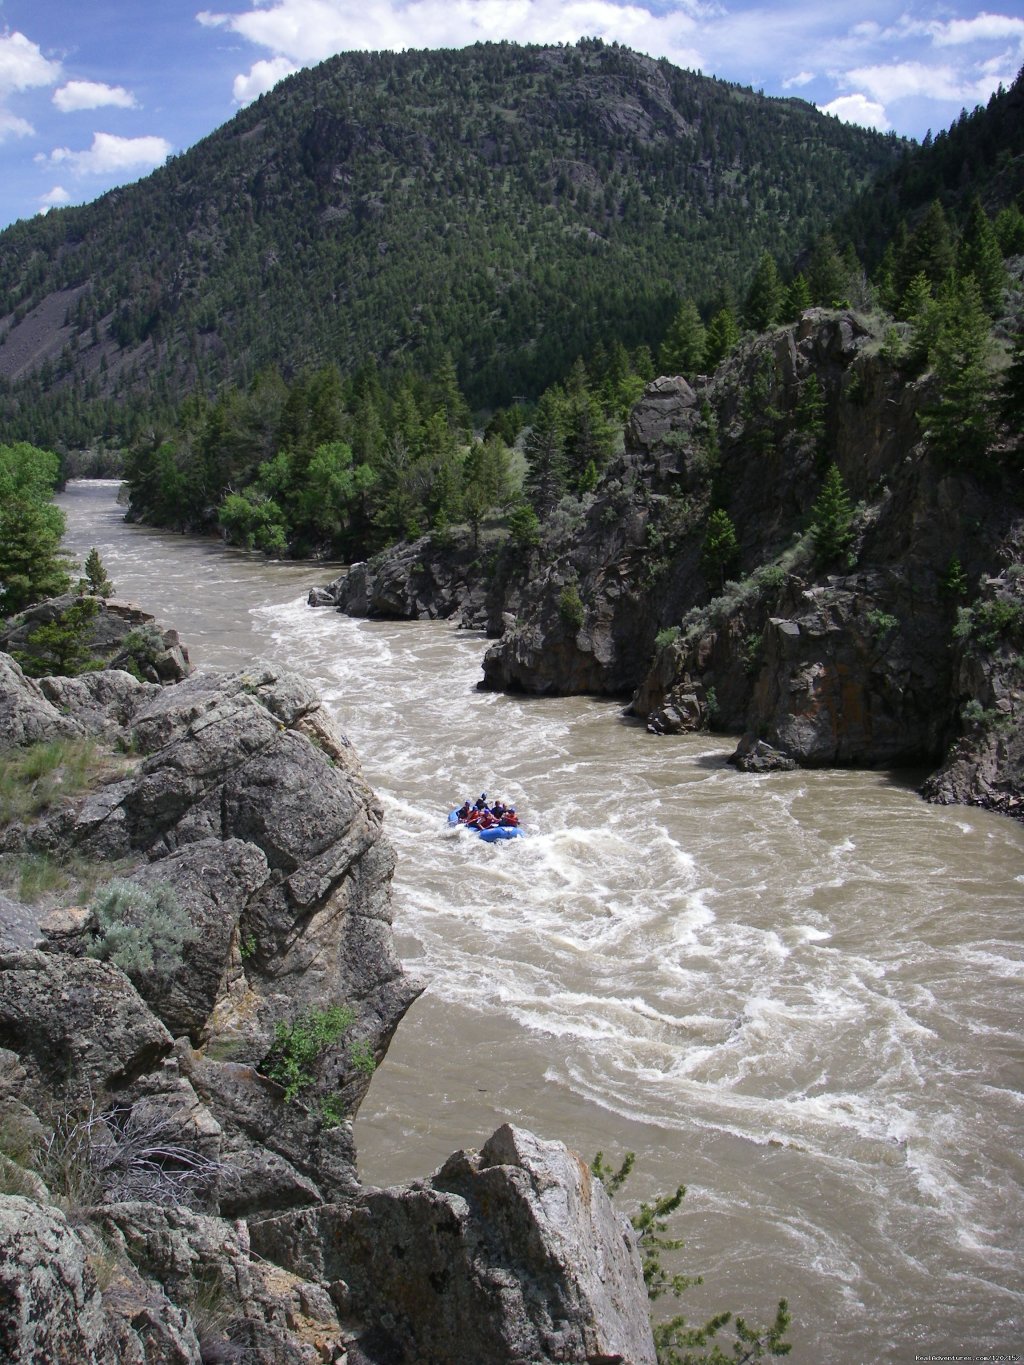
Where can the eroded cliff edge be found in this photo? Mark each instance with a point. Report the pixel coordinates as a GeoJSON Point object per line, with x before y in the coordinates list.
{"type": "Point", "coordinates": [179, 1175]}
{"type": "Point", "coordinates": [907, 649]}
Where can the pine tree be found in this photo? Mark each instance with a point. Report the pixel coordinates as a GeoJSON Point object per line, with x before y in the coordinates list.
{"type": "Point", "coordinates": [928, 250]}
{"type": "Point", "coordinates": [827, 275]}
{"type": "Point", "coordinates": [546, 478]}
{"type": "Point", "coordinates": [587, 432]}
{"type": "Point", "coordinates": [979, 255]}
{"type": "Point", "coordinates": [959, 425]}
{"type": "Point", "coordinates": [721, 548]}
{"type": "Point", "coordinates": [1011, 398]}
{"type": "Point", "coordinates": [764, 300]}
{"type": "Point", "coordinates": [1009, 230]}
{"type": "Point", "coordinates": [722, 335]}
{"type": "Point", "coordinates": [31, 564]}
{"type": "Point", "coordinates": [61, 647]}
{"type": "Point", "coordinates": [96, 580]}
{"type": "Point", "coordinates": [831, 519]}
{"type": "Point", "coordinates": [798, 298]}
{"type": "Point", "coordinates": [685, 344]}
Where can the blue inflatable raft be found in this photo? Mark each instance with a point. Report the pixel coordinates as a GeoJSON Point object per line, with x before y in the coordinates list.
{"type": "Point", "coordinates": [489, 836]}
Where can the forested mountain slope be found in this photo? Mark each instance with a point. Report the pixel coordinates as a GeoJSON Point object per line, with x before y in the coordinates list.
{"type": "Point", "coordinates": [512, 205]}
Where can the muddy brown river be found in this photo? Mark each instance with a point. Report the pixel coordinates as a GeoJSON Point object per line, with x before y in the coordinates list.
{"type": "Point", "coordinates": [800, 994]}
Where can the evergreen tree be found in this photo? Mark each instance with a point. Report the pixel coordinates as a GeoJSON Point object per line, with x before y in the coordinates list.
{"type": "Point", "coordinates": [447, 397]}
{"type": "Point", "coordinates": [827, 275]}
{"type": "Point", "coordinates": [979, 255]}
{"type": "Point", "coordinates": [721, 548]}
{"type": "Point", "coordinates": [959, 425]}
{"type": "Point", "coordinates": [722, 335]}
{"type": "Point", "coordinates": [928, 250]}
{"type": "Point", "coordinates": [798, 298]}
{"type": "Point", "coordinates": [763, 305]}
{"type": "Point", "coordinates": [810, 410]}
{"type": "Point", "coordinates": [1009, 230]}
{"type": "Point", "coordinates": [96, 580]}
{"type": "Point", "coordinates": [683, 350]}
{"type": "Point", "coordinates": [61, 647]}
{"type": "Point", "coordinates": [587, 432]}
{"type": "Point", "coordinates": [831, 519]}
{"type": "Point", "coordinates": [31, 566]}
{"type": "Point", "coordinates": [547, 476]}
{"type": "Point", "coordinates": [1011, 399]}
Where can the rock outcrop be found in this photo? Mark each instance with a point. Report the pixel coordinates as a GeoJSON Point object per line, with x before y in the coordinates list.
{"type": "Point", "coordinates": [176, 1093]}
{"type": "Point", "coordinates": [433, 578]}
{"type": "Point", "coordinates": [858, 660]}
{"type": "Point", "coordinates": [120, 635]}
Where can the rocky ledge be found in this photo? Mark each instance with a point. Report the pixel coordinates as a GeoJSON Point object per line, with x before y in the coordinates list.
{"type": "Point", "coordinates": [183, 1050]}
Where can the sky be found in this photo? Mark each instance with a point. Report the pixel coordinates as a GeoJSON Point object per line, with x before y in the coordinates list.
{"type": "Point", "coordinates": [97, 93]}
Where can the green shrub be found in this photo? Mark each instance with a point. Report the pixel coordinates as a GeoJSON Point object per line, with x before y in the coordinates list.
{"type": "Point", "coordinates": [332, 1111]}
{"type": "Point", "coordinates": [881, 622]}
{"type": "Point", "coordinates": [570, 607]}
{"type": "Point", "coordinates": [143, 645]}
{"type": "Point", "coordinates": [61, 647]}
{"type": "Point", "coordinates": [665, 637]}
{"type": "Point", "coordinates": [995, 619]}
{"type": "Point", "coordinates": [141, 929]}
{"type": "Point", "coordinates": [771, 577]}
{"type": "Point", "coordinates": [298, 1046]}
{"type": "Point", "coordinates": [360, 1055]}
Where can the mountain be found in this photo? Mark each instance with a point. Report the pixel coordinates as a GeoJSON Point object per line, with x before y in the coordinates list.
{"type": "Point", "coordinates": [511, 205]}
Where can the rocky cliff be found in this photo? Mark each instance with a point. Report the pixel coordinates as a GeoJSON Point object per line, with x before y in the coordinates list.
{"type": "Point", "coordinates": [187, 1029]}
{"type": "Point", "coordinates": [907, 643]}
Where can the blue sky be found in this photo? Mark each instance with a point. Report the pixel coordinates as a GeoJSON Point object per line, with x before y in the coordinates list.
{"type": "Point", "coordinates": [97, 93]}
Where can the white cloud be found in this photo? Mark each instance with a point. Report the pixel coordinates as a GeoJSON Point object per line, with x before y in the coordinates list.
{"type": "Point", "coordinates": [899, 80]}
{"type": "Point", "coordinates": [112, 155]}
{"type": "Point", "coordinates": [76, 95]}
{"type": "Point", "coordinates": [55, 197]}
{"type": "Point", "coordinates": [982, 28]}
{"type": "Point", "coordinates": [801, 78]}
{"type": "Point", "coordinates": [858, 109]}
{"type": "Point", "coordinates": [23, 66]}
{"type": "Point", "coordinates": [307, 31]}
{"type": "Point", "coordinates": [262, 76]}
{"type": "Point", "coordinates": [13, 126]}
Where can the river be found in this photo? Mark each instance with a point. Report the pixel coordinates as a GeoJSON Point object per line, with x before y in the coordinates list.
{"type": "Point", "coordinates": [800, 994]}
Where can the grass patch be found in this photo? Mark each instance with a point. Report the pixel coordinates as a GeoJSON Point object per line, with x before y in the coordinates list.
{"type": "Point", "coordinates": [33, 877]}
{"type": "Point", "coordinates": [33, 778]}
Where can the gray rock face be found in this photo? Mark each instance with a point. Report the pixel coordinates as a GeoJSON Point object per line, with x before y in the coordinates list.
{"type": "Point", "coordinates": [79, 1026]}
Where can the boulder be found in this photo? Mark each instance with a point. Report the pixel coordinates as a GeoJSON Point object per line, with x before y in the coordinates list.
{"type": "Point", "coordinates": [753, 755]}
{"type": "Point", "coordinates": [510, 1254]}
{"type": "Point", "coordinates": [51, 1307]}
{"type": "Point", "coordinates": [26, 715]}
{"type": "Point", "coordinates": [79, 1026]}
